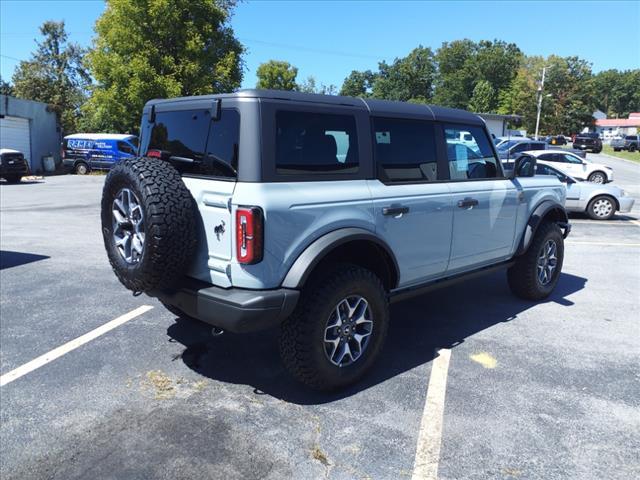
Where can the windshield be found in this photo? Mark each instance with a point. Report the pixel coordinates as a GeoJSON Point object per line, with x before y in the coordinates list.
{"type": "Point", "coordinates": [507, 145]}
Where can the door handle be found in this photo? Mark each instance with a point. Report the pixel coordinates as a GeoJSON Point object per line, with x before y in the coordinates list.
{"type": "Point", "coordinates": [467, 203]}
{"type": "Point", "coordinates": [395, 210]}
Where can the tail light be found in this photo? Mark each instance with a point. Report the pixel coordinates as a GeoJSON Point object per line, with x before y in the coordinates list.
{"type": "Point", "coordinates": [154, 153]}
{"type": "Point", "coordinates": [62, 153]}
{"type": "Point", "coordinates": [249, 234]}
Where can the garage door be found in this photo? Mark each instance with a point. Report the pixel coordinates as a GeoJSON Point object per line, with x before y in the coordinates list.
{"type": "Point", "coordinates": [14, 133]}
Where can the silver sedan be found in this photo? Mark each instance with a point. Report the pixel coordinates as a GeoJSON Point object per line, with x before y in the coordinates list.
{"type": "Point", "coordinates": [599, 201]}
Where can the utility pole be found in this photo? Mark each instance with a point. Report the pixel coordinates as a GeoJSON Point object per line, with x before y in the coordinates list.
{"type": "Point", "coordinates": [540, 88]}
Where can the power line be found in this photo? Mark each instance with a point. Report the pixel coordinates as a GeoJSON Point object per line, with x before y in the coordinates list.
{"type": "Point", "coordinates": [309, 49]}
{"type": "Point", "coordinates": [11, 58]}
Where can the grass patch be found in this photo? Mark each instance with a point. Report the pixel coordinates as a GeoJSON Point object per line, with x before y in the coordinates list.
{"type": "Point", "coordinates": [634, 156]}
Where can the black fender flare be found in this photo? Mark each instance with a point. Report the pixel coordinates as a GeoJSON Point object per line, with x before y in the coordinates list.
{"type": "Point", "coordinates": [320, 248]}
{"type": "Point", "coordinates": [542, 211]}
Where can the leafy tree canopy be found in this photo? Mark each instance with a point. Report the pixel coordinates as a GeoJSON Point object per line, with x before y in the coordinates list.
{"type": "Point", "coordinates": [159, 49]}
{"type": "Point", "coordinates": [55, 74]}
{"type": "Point", "coordinates": [277, 75]}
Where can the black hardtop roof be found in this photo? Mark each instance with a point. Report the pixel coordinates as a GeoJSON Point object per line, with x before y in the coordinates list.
{"type": "Point", "coordinates": [374, 106]}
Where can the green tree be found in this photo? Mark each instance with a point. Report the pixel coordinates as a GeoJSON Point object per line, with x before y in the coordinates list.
{"type": "Point", "coordinates": [407, 78]}
{"type": "Point", "coordinates": [277, 75]}
{"type": "Point", "coordinates": [159, 49]}
{"type": "Point", "coordinates": [456, 74]}
{"type": "Point", "coordinates": [568, 98]}
{"type": "Point", "coordinates": [483, 98]}
{"type": "Point", "coordinates": [618, 92]}
{"type": "Point", "coordinates": [6, 88]}
{"type": "Point", "coordinates": [310, 86]}
{"type": "Point", "coordinates": [462, 64]}
{"type": "Point", "coordinates": [55, 74]}
{"type": "Point", "coordinates": [358, 84]}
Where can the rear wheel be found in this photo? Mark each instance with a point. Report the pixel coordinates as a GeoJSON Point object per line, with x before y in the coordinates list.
{"type": "Point", "coordinates": [616, 149]}
{"type": "Point", "coordinates": [536, 272]}
{"type": "Point", "coordinates": [81, 168]}
{"type": "Point", "coordinates": [602, 207]}
{"type": "Point", "coordinates": [338, 328]}
{"type": "Point", "coordinates": [597, 177]}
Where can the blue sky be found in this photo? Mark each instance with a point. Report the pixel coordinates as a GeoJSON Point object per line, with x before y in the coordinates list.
{"type": "Point", "coordinates": [329, 39]}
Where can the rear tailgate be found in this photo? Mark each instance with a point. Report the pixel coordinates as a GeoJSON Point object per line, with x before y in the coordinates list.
{"type": "Point", "coordinates": [215, 230]}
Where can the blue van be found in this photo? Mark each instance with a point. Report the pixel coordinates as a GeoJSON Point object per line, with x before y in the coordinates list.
{"type": "Point", "coordinates": [83, 152]}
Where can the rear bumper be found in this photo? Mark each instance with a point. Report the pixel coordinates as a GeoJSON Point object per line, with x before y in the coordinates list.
{"type": "Point", "coordinates": [235, 310]}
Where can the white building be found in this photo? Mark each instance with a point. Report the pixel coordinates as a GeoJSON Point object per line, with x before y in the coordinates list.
{"type": "Point", "coordinates": [609, 128]}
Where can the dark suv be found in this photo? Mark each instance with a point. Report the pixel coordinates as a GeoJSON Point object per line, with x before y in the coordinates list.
{"type": "Point", "coordinates": [13, 165]}
{"type": "Point", "coordinates": [588, 141]}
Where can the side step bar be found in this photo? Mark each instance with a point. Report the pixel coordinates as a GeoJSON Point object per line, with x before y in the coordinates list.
{"type": "Point", "coordinates": [400, 294]}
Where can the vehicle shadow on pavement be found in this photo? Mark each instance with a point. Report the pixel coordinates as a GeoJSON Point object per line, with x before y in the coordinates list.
{"type": "Point", "coordinates": [10, 259]}
{"type": "Point", "coordinates": [419, 327]}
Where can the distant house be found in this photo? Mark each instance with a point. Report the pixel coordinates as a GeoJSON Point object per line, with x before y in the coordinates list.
{"type": "Point", "coordinates": [30, 127]}
{"type": "Point", "coordinates": [611, 127]}
{"type": "Point", "coordinates": [498, 125]}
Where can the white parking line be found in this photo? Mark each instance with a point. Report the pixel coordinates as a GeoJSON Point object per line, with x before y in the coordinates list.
{"type": "Point", "coordinates": [616, 223]}
{"type": "Point", "coordinates": [71, 345]}
{"type": "Point", "coordinates": [603, 244]}
{"type": "Point", "coordinates": [425, 466]}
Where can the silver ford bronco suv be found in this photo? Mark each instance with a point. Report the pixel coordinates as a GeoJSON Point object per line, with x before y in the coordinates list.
{"type": "Point", "coordinates": [312, 213]}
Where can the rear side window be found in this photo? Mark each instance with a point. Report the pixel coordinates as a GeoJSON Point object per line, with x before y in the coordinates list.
{"type": "Point", "coordinates": [469, 160]}
{"type": "Point", "coordinates": [181, 134]}
{"type": "Point", "coordinates": [537, 146]}
{"type": "Point", "coordinates": [405, 150]}
{"type": "Point", "coordinates": [316, 143]}
{"type": "Point", "coordinates": [180, 137]}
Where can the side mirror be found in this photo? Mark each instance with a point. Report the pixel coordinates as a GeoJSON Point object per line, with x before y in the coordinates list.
{"type": "Point", "coordinates": [525, 166]}
{"type": "Point", "coordinates": [568, 180]}
{"type": "Point", "coordinates": [216, 110]}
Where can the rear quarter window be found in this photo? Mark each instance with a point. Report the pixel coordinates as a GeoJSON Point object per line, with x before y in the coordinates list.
{"type": "Point", "coordinates": [194, 144]}
{"type": "Point", "coordinates": [316, 143]}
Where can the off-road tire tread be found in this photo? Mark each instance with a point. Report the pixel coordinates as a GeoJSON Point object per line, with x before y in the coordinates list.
{"type": "Point", "coordinates": [170, 223]}
{"type": "Point", "coordinates": [296, 331]}
{"type": "Point", "coordinates": [522, 275]}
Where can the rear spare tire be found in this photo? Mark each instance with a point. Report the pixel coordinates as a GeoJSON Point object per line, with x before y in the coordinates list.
{"type": "Point", "coordinates": [148, 224]}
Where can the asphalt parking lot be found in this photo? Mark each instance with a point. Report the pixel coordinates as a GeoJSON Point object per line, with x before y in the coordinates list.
{"type": "Point", "coordinates": [533, 391]}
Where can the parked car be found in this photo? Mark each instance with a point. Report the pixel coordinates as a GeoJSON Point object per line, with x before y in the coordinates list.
{"type": "Point", "coordinates": [570, 164]}
{"type": "Point", "coordinates": [512, 148]}
{"type": "Point", "coordinates": [310, 212]}
{"type": "Point", "coordinates": [588, 141]}
{"type": "Point", "coordinates": [629, 142]}
{"type": "Point", "coordinates": [600, 202]}
{"type": "Point", "coordinates": [13, 165]}
{"type": "Point", "coordinates": [83, 152]}
{"type": "Point", "coordinates": [557, 140]}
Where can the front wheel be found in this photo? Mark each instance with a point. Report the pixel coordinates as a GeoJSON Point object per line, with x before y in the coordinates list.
{"type": "Point", "coordinates": [337, 330]}
{"type": "Point", "coordinates": [536, 272]}
{"type": "Point", "coordinates": [602, 207]}
{"type": "Point", "coordinates": [13, 178]}
{"type": "Point", "coordinates": [597, 177]}
{"type": "Point", "coordinates": [632, 148]}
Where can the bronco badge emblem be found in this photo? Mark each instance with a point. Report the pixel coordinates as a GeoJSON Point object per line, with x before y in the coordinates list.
{"type": "Point", "coordinates": [219, 230]}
